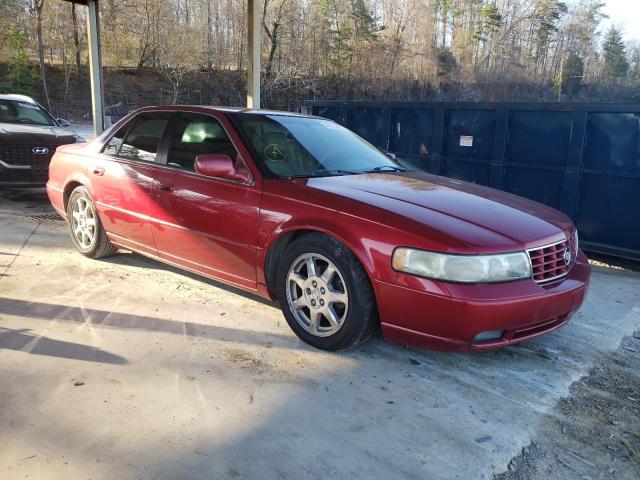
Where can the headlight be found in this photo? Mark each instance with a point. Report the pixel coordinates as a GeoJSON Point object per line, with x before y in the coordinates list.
{"type": "Point", "coordinates": [79, 139]}
{"type": "Point", "coordinates": [462, 268]}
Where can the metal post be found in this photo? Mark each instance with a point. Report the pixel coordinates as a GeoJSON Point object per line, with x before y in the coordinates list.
{"type": "Point", "coordinates": [95, 66]}
{"type": "Point", "coordinates": [253, 62]}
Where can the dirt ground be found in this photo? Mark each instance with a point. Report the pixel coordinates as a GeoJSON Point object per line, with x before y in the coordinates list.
{"type": "Point", "coordinates": [127, 369]}
{"type": "Point", "coordinates": [594, 432]}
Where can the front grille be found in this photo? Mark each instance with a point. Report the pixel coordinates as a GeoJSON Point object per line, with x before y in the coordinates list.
{"type": "Point", "coordinates": [548, 263]}
{"type": "Point", "coordinates": [23, 155]}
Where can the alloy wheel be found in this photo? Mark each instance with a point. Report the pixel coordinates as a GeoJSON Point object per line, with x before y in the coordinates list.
{"type": "Point", "coordinates": [317, 295]}
{"type": "Point", "coordinates": [83, 222]}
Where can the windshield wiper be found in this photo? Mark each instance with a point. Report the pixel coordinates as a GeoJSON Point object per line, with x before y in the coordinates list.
{"type": "Point", "coordinates": [325, 173]}
{"type": "Point", "coordinates": [330, 173]}
{"type": "Point", "coordinates": [386, 168]}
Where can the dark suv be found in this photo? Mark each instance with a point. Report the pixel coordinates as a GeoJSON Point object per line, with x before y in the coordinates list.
{"type": "Point", "coordinates": [29, 135]}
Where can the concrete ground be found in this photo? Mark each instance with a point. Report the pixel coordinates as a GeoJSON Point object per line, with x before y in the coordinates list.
{"type": "Point", "coordinates": [125, 368]}
{"type": "Point", "coordinates": [84, 129]}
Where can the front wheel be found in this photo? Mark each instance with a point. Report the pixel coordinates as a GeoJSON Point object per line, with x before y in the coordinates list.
{"type": "Point", "coordinates": [325, 293]}
{"type": "Point", "coordinates": [86, 230]}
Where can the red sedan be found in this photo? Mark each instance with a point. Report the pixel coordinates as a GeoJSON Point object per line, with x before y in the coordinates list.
{"type": "Point", "coordinates": [302, 210]}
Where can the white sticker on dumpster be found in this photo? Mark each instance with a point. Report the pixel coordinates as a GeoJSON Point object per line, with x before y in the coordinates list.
{"type": "Point", "coordinates": [466, 141]}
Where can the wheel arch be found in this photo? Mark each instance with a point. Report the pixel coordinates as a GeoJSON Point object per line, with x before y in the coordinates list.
{"type": "Point", "coordinates": [278, 244]}
{"type": "Point", "coordinates": [68, 189]}
{"type": "Point", "coordinates": [73, 182]}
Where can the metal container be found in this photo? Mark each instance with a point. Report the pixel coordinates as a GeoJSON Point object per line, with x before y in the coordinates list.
{"type": "Point", "coordinates": [583, 159]}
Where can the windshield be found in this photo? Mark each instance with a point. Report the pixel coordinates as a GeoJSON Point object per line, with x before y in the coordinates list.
{"type": "Point", "coordinates": [290, 146]}
{"type": "Point", "coordinates": [13, 111]}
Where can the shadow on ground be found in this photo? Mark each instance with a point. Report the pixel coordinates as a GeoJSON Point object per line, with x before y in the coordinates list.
{"type": "Point", "coordinates": [133, 259]}
{"type": "Point", "coordinates": [24, 341]}
{"type": "Point", "coordinates": [103, 318]}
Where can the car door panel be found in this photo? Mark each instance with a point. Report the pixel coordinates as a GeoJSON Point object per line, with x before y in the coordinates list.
{"type": "Point", "coordinates": [205, 224]}
{"type": "Point", "coordinates": [123, 183]}
{"type": "Point", "coordinates": [123, 198]}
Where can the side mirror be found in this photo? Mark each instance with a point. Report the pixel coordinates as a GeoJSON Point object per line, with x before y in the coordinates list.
{"type": "Point", "coordinates": [63, 123]}
{"type": "Point", "coordinates": [220, 166]}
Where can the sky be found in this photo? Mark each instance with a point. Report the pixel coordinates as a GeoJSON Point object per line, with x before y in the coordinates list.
{"type": "Point", "coordinates": [626, 15]}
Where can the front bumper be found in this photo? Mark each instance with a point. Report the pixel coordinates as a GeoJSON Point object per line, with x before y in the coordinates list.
{"type": "Point", "coordinates": [12, 176]}
{"type": "Point", "coordinates": [447, 317]}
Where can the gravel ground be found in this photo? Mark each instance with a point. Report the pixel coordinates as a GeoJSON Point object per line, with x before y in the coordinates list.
{"type": "Point", "coordinates": [594, 433]}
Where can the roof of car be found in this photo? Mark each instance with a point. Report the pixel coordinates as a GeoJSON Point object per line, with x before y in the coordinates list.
{"type": "Point", "coordinates": [17, 97]}
{"type": "Point", "coordinates": [255, 110]}
{"type": "Point", "coordinates": [227, 110]}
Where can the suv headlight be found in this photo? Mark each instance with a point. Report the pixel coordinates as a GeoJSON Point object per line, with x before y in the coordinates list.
{"type": "Point", "coordinates": [462, 268]}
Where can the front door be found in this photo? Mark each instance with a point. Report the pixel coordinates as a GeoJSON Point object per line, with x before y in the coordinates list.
{"type": "Point", "coordinates": [205, 224]}
{"type": "Point", "coordinates": [122, 180]}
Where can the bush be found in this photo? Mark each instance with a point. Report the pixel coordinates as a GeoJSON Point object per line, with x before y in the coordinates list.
{"type": "Point", "coordinates": [21, 75]}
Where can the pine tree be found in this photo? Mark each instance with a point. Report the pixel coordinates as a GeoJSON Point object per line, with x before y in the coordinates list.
{"type": "Point", "coordinates": [546, 17]}
{"type": "Point", "coordinates": [616, 64]}
{"type": "Point", "coordinates": [569, 82]}
{"type": "Point", "coordinates": [364, 22]}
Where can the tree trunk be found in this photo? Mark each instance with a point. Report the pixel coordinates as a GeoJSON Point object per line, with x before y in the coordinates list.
{"type": "Point", "coordinates": [176, 92]}
{"type": "Point", "coordinates": [38, 5]}
{"type": "Point", "coordinates": [76, 37]}
{"type": "Point", "coordinates": [272, 35]}
{"type": "Point", "coordinates": [209, 37]}
{"type": "Point", "coordinates": [445, 15]}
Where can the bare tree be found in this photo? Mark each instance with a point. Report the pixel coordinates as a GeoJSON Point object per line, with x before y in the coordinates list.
{"type": "Point", "coordinates": [76, 37]}
{"type": "Point", "coordinates": [476, 49]}
{"type": "Point", "coordinates": [272, 32]}
{"type": "Point", "coordinates": [37, 7]}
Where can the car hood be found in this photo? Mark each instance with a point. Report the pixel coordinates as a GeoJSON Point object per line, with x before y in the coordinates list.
{"type": "Point", "coordinates": [460, 214]}
{"type": "Point", "coordinates": [18, 134]}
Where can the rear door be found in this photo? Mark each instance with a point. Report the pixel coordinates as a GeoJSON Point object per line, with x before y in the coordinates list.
{"type": "Point", "coordinates": [205, 224]}
{"type": "Point", "coordinates": [122, 179]}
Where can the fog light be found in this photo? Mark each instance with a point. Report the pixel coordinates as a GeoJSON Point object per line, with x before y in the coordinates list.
{"type": "Point", "coordinates": [488, 336]}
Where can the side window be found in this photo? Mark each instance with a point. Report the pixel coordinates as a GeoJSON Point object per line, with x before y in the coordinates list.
{"type": "Point", "coordinates": [115, 143]}
{"type": "Point", "coordinates": [194, 135]}
{"type": "Point", "coordinates": [141, 142]}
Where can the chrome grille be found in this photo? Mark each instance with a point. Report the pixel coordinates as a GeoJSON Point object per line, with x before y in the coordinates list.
{"type": "Point", "coordinates": [23, 155]}
{"type": "Point", "coordinates": [548, 263]}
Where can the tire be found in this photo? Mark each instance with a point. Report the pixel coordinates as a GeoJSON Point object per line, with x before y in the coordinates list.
{"type": "Point", "coordinates": [85, 228]}
{"type": "Point", "coordinates": [343, 313]}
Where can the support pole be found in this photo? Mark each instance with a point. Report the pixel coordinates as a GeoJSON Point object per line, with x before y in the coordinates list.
{"type": "Point", "coordinates": [95, 66]}
{"type": "Point", "coordinates": [253, 64]}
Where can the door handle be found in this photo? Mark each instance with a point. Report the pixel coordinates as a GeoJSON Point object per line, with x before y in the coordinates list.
{"type": "Point", "coordinates": [98, 171]}
{"type": "Point", "coordinates": [166, 186]}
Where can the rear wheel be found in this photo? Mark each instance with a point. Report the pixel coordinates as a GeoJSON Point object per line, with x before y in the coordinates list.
{"type": "Point", "coordinates": [85, 228]}
{"type": "Point", "coordinates": [325, 293]}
